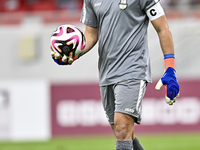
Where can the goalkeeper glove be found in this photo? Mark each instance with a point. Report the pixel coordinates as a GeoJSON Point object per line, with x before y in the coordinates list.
{"type": "Point", "coordinates": [169, 80]}
{"type": "Point", "coordinates": [63, 59]}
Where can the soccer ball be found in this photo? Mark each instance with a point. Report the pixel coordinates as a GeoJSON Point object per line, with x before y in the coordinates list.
{"type": "Point", "coordinates": [66, 40]}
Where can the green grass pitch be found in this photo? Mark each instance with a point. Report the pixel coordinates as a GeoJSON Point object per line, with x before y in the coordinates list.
{"type": "Point", "coordinates": [150, 142]}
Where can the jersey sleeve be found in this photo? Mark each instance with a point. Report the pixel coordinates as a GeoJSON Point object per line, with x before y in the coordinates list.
{"type": "Point", "coordinates": [88, 16]}
{"type": "Point", "coordinates": [152, 8]}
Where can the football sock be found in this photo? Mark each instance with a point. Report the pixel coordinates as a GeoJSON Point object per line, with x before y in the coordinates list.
{"type": "Point", "coordinates": [137, 145]}
{"type": "Point", "coordinates": [124, 145]}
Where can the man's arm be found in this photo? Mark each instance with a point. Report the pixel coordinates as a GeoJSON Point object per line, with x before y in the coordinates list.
{"type": "Point", "coordinates": [165, 36]}
{"type": "Point", "coordinates": [169, 78]}
{"type": "Point", "coordinates": [91, 36]}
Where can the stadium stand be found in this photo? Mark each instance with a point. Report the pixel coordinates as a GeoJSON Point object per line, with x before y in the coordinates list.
{"type": "Point", "coordinates": [38, 5]}
{"type": "Point", "coordinates": [14, 11]}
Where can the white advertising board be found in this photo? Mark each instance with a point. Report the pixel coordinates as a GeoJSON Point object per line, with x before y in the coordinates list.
{"type": "Point", "coordinates": [24, 110]}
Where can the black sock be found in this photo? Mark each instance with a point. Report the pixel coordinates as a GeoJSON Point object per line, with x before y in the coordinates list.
{"type": "Point", "coordinates": [137, 145]}
{"type": "Point", "coordinates": [124, 145]}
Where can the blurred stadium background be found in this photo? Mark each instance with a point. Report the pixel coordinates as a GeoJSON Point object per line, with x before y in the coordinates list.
{"type": "Point", "coordinates": [41, 101]}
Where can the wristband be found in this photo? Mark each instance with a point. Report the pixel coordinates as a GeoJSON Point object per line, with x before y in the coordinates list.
{"type": "Point", "coordinates": [169, 61]}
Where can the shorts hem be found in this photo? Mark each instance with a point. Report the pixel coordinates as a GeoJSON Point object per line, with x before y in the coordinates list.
{"type": "Point", "coordinates": [130, 114]}
{"type": "Point", "coordinates": [111, 123]}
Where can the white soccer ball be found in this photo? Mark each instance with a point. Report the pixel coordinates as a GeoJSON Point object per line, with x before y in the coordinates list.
{"type": "Point", "coordinates": [66, 39]}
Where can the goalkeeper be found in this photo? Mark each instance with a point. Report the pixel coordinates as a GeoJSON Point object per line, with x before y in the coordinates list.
{"type": "Point", "coordinates": [120, 27]}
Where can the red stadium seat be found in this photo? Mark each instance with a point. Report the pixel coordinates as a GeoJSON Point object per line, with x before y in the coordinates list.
{"type": "Point", "coordinates": [44, 5]}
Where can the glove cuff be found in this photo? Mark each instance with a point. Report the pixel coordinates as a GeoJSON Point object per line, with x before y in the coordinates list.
{"type": "Point", "coordinates": [169, 61]}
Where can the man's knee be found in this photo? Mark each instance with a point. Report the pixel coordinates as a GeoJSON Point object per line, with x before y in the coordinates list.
{"type": "Point", "coordinates": [121, 131]}
{"type": "Point", "coordinates": [123, 127]}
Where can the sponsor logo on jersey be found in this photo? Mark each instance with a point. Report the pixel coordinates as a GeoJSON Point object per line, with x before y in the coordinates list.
{"type": "Point", "coordinates": [123, 4]}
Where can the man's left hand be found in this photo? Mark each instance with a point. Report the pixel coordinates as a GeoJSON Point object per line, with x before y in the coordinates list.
{"type": "Point", "coordinates": [171, 85]}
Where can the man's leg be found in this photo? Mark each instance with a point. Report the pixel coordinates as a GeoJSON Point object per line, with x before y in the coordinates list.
{"type": "Point", "coordinates": [128, 105]}
{"type": "Point", "coordinates": [119, 100]}
{"type": "Point", "coordinates": [124, 134]}
{"type": "Point", "coordinates": [137, 145]}
{"type": "Point", "coordinates": [123, 129]}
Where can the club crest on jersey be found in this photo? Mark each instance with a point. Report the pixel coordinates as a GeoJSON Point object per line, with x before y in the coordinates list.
{"type": "Point", "coordinates": [123, 4]}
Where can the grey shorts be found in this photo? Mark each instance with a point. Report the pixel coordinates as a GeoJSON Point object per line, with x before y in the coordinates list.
{"type": "Point", "coordinates": [123, 97]}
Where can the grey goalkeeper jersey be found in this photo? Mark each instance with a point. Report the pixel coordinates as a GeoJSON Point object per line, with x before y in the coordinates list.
{"type": "Point", "coordinates": [123, 46]}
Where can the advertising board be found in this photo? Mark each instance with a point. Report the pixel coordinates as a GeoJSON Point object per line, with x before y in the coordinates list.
{"type": "Point", "coordinates": [77, 109]}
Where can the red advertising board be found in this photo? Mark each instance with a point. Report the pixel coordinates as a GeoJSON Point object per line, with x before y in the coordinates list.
{"type": "Point", "coordinates": [183, 116]}
{"type": "Point", "coordinates": [76, 109]}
